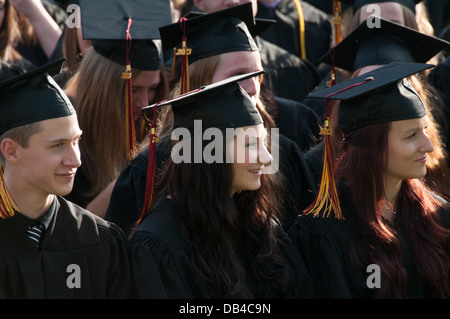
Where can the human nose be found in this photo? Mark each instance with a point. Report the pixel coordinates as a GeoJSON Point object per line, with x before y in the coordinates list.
{"type": "Point", "coordinates": [140, 100]}
{"type": "Point", "coordinates": [73, 157]}
{"type": "Point", "coordinates": [231, 3]}
{"type": "Point", "coordinates": [426, 145]}
{"type": "Point", "coordinates": [251, 86]}
{"type": "Point", "coordinates": [264, 156]}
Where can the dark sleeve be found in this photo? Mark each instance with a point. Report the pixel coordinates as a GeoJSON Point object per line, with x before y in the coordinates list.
{"type": "Point", "coordinates": [128, 195]}
{"type": "Point", "coordinates": [300, 186]}
{"type": "Point", "coordinates": [323, 256]}
{"type": "Point", "coordinates": [158, 273]}
{"type": "Point", "coordinates": [303, 285]}
{"type": "Point", "coordinates": [115, 243]}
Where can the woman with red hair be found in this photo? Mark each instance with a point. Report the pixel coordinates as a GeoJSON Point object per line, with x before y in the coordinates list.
{"type": "Point", "coordinates": [391, 236]}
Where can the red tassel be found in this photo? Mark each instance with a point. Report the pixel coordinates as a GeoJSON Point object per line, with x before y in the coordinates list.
{"type": "Point", "coordinates": [151, 169]}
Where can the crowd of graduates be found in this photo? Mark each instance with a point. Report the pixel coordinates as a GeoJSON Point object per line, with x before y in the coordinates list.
{"type": "Point", "coordinates": [340, 108]}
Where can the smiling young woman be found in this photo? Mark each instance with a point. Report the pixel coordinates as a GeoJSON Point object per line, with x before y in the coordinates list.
{"type": "Point", "coordinates": [390, 217]}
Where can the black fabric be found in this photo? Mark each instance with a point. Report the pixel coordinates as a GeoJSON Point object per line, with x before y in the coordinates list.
{"type": "Point", "coordinates": [286, 34]}
{"type": "Point", "coordinates": [385, 43]}
{"type": "Point", "coordinates": [163, 267]}
{"type": "Point", "coordinates": [213, 33]}
{"type": "Point", "coordinates": [74, 237]}
{"type": "Point", "coordinates": [128, 194]}
{"type": "Point", "coordinates": [325, 245]}
{"type": "Point", "coordinates": [32, 97]}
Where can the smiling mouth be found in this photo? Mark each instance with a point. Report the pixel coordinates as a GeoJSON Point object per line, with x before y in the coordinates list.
{"type": "Point", "coordinates": [256, 171]}
{"type": "Point", "coordinates": [422, 160]}
{"type": "Point", "coordinates": [67, 175]}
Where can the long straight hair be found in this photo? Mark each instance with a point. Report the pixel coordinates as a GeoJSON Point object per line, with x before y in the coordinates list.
{"type": "Point", "coordinates": [99, 99]}
{"type": "Point", "coordinates": [362, 167]}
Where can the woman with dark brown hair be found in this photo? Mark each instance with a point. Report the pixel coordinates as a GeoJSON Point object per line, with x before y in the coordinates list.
{"type": "Point", "coordinates": [393, 238]}
{"type": "Point", "coordinates": [221, 47]}
{"type": "Point", "coordinates": [212, 231]}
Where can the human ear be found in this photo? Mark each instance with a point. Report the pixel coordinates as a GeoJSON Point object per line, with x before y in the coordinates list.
{"type": "Point", "coordinates": [199, 4]}
{"type": "Point", "coordinates": [8, 148]}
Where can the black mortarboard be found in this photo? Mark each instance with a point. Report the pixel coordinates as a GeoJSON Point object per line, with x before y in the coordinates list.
{"type": "Point", "coordinates": [382, 95]}
{"type": "Point", "coordinates": [122, 31]}
{"type": "Point", "coordinates": [106, 23]}
{"type": "Point", "coordinates": [223, 104]}
{"type": "Point", "coordinates": [213, 33]}
{"type": "Point", "coordinates": [388, 42]}
{"type": "Point", "coordinates": [357, 4]}
{"type": "Point", "coordinates": [32, 97]}
{"type": "Point", "coordinates": [29, 98]}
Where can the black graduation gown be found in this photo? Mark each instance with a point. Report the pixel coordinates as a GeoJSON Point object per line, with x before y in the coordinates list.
{"type": "Point", "coordinates": [439, 78]}
{"type": "Point", "coordinates": [74, 237]}
{"type": "Point", "coordinates": [285, 33]}
{"type": "Point", "coordinates": [163, 268]}
{"type": "Point", "coordinates": [128, 195]}
{"type": "Point", "coordinates": [285, 74]}
{"type": "Point", "coordinates": [325, 243]}
{"type": "Point", "coordinates": [297, 122]}
{"type": "Point", "coordinates": [33, 52]}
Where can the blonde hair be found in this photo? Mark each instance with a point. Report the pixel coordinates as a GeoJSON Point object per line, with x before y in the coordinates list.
{"type": "Point", "coordinates": [99, 95]}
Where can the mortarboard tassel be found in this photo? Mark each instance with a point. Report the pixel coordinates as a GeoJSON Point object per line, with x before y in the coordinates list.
{"type": "Point", "coordinates": [184, 52]}
{"type": "Point", "coordinates": [327, 199]}
{"type": "Point", "coordinates": [151, 169]}
{"type": "Point", "coordinates": [7, 205]}
{"type": "Point", "coordinates": [301, 27]}
{"type": "Point", "coordinates": [337, 20]}
{"type": "Point", "coordinates": [127, 75]}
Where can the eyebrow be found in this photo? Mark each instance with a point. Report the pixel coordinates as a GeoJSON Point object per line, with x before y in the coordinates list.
{"type": "Point", "coordinates": [61, 140]}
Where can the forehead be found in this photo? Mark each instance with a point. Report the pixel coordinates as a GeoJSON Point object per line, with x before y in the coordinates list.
{"type": "Point", "coordinates": [60, 127]}
{"type": "Point", "coordinates": [258, 131]}
{"type": "Point", "coordinates": [406, 125]}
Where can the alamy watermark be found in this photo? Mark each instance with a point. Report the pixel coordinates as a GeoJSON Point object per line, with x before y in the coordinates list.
{"type": "Point", "coordinates": [374, 279]}
{"type": "Point", "coordinates": [240, 145]}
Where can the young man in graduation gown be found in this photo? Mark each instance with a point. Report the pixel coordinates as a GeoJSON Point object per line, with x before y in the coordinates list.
{"type": "Point", "coordinates": [49, 247]}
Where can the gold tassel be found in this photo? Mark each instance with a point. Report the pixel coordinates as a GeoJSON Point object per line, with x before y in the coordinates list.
{"type": "Point", "coordinates": [131, 133]}
{"type": "Point", "coordinates": [301, 27]}
{"type": "Point", "coordinates": [327, 199]}
{"type": "Point", "coordinates": [184, 52]}
{"type": "Point", "coordinates": [337, 20]}
{"type": "Point", "coordinates": [127, 75]}
{"type": "Point", "coordinates": [7, 205]}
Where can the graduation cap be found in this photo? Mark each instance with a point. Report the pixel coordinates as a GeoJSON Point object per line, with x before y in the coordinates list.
{"type": "Point", "coordinates": [357, 4]}
{"type": "Point", "coordinates": [383, 95]}
{"type": "Point", "coordinates": [111, 24]}
{"type": "Point", "coordinates": [28, 98]}
{"type": "Point", "coordinates": [390, 42]}
{"type": "Point", "coordinates": [32, 97]}
{"type": "Point", "coordinates": [204, 35]}
{"type": "Point", "coordinates": [123, 31]}
{"type": "Point", "coordinates": [223, 104]}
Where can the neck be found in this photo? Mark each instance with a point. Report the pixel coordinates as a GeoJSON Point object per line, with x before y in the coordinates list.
{"type": "Point", "coordinates": [391, 188]}
{"type": "Point", "coordinates": [29, 203]}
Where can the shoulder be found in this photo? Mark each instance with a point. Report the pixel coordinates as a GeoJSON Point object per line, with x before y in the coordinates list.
{"type": "Point", "coordinates": [87, 227]}
{"type": "Point", "coordinates": [331, 226]}
{"type": "Point", "coordinates": [160, 228]}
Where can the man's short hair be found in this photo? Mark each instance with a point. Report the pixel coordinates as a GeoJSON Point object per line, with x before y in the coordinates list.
{"type": "Point", "coordinates": [21, 135]}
